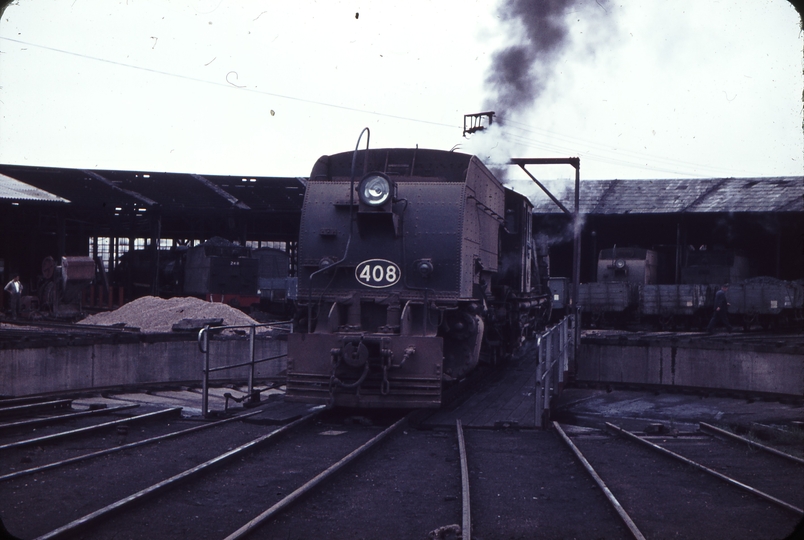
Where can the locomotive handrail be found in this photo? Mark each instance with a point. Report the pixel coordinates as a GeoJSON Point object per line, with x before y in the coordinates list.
{"type": "Point", "coordinates": [203, 345]}
{"type": "Point", "coordinates": [244, 364]}
{"type": "Point", "coordinates": [553, 347]}
{"type": "Point", "coordinates": [487, 210]}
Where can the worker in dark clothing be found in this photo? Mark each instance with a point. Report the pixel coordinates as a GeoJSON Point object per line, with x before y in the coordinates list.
{"type": "Point", "coordinates": [14, 289]}
{"type": "Point", "coordinates": [720, 316]}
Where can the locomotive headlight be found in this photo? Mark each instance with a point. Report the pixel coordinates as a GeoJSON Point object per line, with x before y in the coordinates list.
{"type": "Point", "coordinates": [374, 189]}
{"type": "Point", "coordinates": [619, 264]}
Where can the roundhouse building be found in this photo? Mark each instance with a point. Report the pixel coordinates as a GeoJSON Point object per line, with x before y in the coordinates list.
{"type": "Point", "coordinates": [103, 214]}
{"type": "Point", "coordinates": [760, 219]}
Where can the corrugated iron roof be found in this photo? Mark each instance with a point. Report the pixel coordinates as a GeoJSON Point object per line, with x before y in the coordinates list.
{"type": "Point", "coordinates": [171, 192]}
{"type": "Point", "coordinates": [187, 205]}
{"type": "Point", "coordinates": [704, 195]}
{"type": "Point", "coordinates": [18, 191]}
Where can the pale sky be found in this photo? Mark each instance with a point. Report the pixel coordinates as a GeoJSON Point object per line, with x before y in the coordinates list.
{"type": "Point", "coordinates": [688, 88]}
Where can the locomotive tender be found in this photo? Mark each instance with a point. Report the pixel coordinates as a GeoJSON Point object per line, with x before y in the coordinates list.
{"type": "Point", "coordinates": [414, 266]}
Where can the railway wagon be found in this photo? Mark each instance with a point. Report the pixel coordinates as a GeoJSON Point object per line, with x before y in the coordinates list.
{"type": "Point", "coordinates": [607, 302]}
{"type": "Point", "coordinates": [764, 301]}
{"type": "Point", "coordinates": [414, 266]}
{"type": "Point", "coordinates": [626, 292]}
{"type": "Point", "coordinates": [671, 305]}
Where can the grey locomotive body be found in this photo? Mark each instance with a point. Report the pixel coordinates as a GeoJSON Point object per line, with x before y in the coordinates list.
{"type": "Point", "coordinates": [410, 272]}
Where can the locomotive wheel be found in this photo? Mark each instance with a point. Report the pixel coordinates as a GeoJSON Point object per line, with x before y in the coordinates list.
{"type": "Point", "coordinates": [460, 325]}
{"type": "Point", "coordinates": [748, 320]}
{"type": "Point", "coordinates": [47, 296]}
{"type": "Point", "coordinates": [48, 267]}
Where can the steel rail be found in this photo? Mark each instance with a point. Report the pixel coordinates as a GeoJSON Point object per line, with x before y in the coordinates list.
{"type": "Point", "coordinates": [466, 522]}
{"type": "Point", "coordinates": [311, 484]}
{"type": "Point", "coordinates": [112, 450]}
{"type": "Point", "coordinates": [89, 429]}
{"type": "Point", "coordinates": [710, 428]}
{"type": "Point", "coordinates": [64, 417]}
{"type": "Point", "coordinates": [16, 410]}
{"type": "Point", "coordinates": [466, 509]}
{"type": "Point", "coordinates": [728, 479]}
{"type": "Point", "coordinates": [629, 523]}
{"type": "Point", "coordinates": [71, 528]}
{"type": "Point", "coordinates": [8, 402]}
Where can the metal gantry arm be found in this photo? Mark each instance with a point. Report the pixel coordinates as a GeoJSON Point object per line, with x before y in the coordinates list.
{"type": "Point", "coordinates": [576, 223]}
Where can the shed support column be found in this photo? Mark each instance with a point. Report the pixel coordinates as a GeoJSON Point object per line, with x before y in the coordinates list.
{"type": "Point", "coordinates": [678, 253]}
{"type": "Point", "coordinates": [61, 238]}
{"type": "Point", "coordinates": [156, 233]}
{"type": "Point", "coordinates": [576, 263]}
{"type": "Point", "coordinates": [779, 253]}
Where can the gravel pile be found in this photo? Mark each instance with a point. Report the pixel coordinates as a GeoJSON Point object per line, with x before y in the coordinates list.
{"type": "Point", "coordinates": [153, 315]}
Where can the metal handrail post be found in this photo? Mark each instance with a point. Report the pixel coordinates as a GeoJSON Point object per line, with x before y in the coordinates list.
{"type": "Point", "coordinates": [205, 383]}
{"type": "Point", "coordinates": [252, 347]}
{"type": "Point", "coordinates": [537, 392]}
{"type": "Point", "coordinates": [564, 351]}
{"type": "Point", "coordinates": [549, 375]}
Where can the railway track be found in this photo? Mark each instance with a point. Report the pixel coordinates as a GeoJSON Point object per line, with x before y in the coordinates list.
{"type": "Point", "coordinates": [166, 503]}
{"type": "Point", "coordinates": [334, 475]}
{"type": "Point", "coordinates": [703, 484]}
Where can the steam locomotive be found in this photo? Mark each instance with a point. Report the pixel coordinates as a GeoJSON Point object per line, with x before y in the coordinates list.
{"type": "Point", "coordinates": [217, 270]}
{"type": "Point", "coordinates": [414, 266]}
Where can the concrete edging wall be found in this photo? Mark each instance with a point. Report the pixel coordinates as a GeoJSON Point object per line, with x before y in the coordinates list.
{"type": "Point", "coordinates": [67, 368]}
{"type": "Point", "coordinates": [672, 365]}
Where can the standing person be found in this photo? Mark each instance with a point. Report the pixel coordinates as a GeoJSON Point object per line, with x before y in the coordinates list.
{"type": "Point", "coordinates": [14, 289]}
{"type": "Point", "coordinates": [720, 316]}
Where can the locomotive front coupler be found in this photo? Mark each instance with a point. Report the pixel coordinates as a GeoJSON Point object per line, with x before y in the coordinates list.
{"type": "Point", "coordinates": [352, 357]}
{"type": "Point", "coordinates": [364, 352]}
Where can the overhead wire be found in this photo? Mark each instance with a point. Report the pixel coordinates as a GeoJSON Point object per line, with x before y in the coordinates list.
{"type": "Point", "coordinates": [228, 84]}
{"type": "Point", "coordinates": [595, 151]}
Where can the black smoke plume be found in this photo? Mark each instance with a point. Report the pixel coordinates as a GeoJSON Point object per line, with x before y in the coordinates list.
{"type": "Point", "coordinates": [519, 73]}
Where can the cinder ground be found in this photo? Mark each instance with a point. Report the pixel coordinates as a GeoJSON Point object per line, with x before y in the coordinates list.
{"type": "Point", "coordinates": [633, 409]}
{"type": "Point", "coordinates": [525, 483]}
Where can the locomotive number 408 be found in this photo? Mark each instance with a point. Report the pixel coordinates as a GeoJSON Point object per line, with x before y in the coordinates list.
{"type": "Point", "coordinates": [377, 273]}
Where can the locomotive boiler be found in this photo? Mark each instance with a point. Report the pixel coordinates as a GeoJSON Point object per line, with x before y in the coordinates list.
{"type": "Point", "coordinates": [414, 266]}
